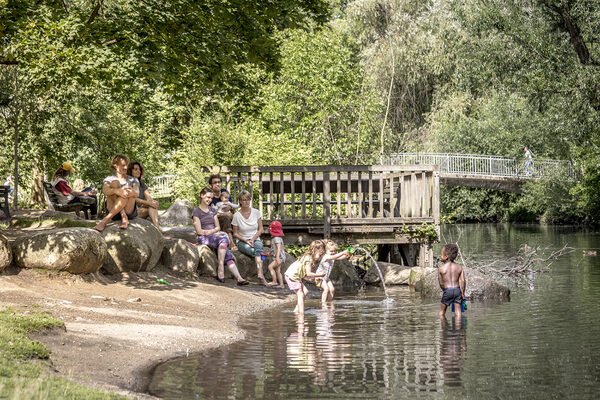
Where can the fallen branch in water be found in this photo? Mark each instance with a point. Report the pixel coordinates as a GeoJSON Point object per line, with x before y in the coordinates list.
{"type": "Point", "coordinates": [524, 265]}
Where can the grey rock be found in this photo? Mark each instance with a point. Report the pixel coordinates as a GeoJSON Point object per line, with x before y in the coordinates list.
{"type": "Point", "coordinates": [6, 254]}
{"type": "Point", "coordinates": [75, 250]}
{"type": "Point", "coordinates": [479, 286]}
{"type": "Point", "coordinates": [187, 233]}
{"type": "Point", "coordinates": [137, 248]}
{"type": "Point", "coordinates": [393, 274]}
{"type": "Point", "coordinates": [180, 255]}
{"type": "Point", "coordinates": [179, 213]}
{"type": "Point", "coordinates": [344, 275]}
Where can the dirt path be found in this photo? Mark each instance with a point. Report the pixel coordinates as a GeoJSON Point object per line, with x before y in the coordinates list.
{"type": "Point", "coordinates": [117, 327]}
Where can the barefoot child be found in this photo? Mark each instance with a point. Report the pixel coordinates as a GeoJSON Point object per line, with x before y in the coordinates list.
{"type": "Point", "coordinates": [277, 253]}
{"type": "Point", "coordinates": [302, 268]}
{"type": "Point", "coordinates": [325, 266]}
{"type": "Point", "coordinates": [452, 281]}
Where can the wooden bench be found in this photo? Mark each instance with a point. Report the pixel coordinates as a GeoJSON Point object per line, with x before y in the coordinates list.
{"type": "Point", "coordinates": [4, 191]}
{"type": "Point", "coordinates": [55, 205]}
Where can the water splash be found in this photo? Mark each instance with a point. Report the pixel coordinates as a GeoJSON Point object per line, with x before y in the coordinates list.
{"type": "Point", "coordinates": [387, 300]}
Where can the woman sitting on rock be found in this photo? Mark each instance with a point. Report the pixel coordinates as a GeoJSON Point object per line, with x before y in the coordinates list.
{"type": "Point", "coordinates": [209, 233]}
{"type": "Point", "coordinates": [67, 195]}
{"type": "Point", "coordinates": [247, 228]}
{"type": "Point", "coordinates": [147, 207]}
{"type": "Point", "coordinates": [120, 190]}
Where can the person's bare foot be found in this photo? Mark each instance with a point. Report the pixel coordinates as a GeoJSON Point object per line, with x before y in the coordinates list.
{"type": "Point", "coordinates": [124, 223]}
{"type": "Point", "coordinates": [271, 284]}
{"type": "Point", "coordinates": [263, 281]}
{"type": "Point", "coordinates": [233, 248]}
{"type": "Point", "coordinates": [100, 227]}
{"type": "Point", "coordinates": [280, 286]}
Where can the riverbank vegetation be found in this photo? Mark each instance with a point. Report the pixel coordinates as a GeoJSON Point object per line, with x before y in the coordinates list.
{"type": "Point", "coordinates": [181, 84]}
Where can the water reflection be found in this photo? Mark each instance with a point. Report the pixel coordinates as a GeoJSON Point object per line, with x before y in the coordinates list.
{"type": "Point", "coordinates": [453, 349]}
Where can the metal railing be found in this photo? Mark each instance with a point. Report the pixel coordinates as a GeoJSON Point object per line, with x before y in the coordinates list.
{"type": "Point", "coordinates": [484, 165]}
{"type": "Point", "coordinates": [161, 186]}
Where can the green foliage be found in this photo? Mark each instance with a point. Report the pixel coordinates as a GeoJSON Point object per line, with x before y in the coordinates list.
{"type": "Point", "coordinates": [423, 231]}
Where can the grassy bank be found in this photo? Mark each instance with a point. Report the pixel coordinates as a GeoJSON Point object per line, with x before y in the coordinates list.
{"type": "Point", "coordinates": [23, 369]}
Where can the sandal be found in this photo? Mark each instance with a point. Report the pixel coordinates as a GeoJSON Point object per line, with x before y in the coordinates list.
{"type": "Point", "coordinates": [243, 283]}
{"type": "Point", "coordinates": [222, 280]}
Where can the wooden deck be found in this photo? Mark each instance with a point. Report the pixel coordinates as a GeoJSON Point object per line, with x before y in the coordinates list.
{"type": "Point", "coordinates": [364, 204]}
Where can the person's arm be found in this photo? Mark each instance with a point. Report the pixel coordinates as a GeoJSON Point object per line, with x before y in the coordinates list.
{"type": "Point", "coordinates": [149, 202]}
{"type": "Point", "coordinates": [440, 278]}
{"type": "Point", "coordinates": [203, 232]}
{"type": "Point", "coordinates": [341, 255]}
{"type": "Point", "coordinates": [278, 252]}
{"type": "Point", "coordinates": [311, 274]}
{"type": "Point", "coordinates": [462, 282]}
{"type": "Point", "coordinates": [258, 232]}
{"type": "Point", "coordinates": [234, 206]}
{"type": "Point", "coordinates": [112, 191]}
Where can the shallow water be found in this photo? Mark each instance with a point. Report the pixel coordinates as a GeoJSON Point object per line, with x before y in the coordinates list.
{"type": "Point", "coordinates": [544, 343]}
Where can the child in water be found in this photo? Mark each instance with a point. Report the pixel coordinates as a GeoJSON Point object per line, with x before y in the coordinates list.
{"type": "Point", "coordinates": [278, 254]}
{"type": "Point", "coordinates": [301, 268]}
{"type": "Point", "coordinates": [452, 281]}
{"type": "Point", "coordinates": [325, 266]}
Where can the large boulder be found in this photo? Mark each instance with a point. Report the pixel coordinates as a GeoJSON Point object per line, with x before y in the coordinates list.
{"type": "Point", "coordinates": [417, 273]}
{"type": "Point", "coordinates": [187, 233]}
{"type": "Point", "coordinates": [344, 275]}
{"type": "Point", "coordinates": [180, 255]}
{"type": "Point", "coordinates": [75, 250]}
{"type": "Point", "coordinates": [393, 274]}
{"type": "Point", "coordinates": [51, 214]}
{"type": "Point", "coordinates": [179, 213]}
{"type": "Point", "coordinates": [6, 254]}
{"type": "Point", "coordinates": [137, 248]}
{"type": "Point", "coordinates": [479, 286]}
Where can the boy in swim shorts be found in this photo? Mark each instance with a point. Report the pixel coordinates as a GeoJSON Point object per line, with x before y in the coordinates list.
{"type": "Point", "coordinates": [452, 281]}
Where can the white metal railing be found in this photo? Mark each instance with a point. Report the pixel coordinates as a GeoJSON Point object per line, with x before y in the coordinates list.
{"type": "Point", "coordinates": [161, 186]}
{"type": "Point", "coordinates": [483, 165]}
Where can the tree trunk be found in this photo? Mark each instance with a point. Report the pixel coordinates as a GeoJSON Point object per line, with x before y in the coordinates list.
{"type": "Point", "coordinates": [37, 188]}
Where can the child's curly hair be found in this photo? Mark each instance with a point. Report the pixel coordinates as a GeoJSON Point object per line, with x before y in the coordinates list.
{"type": "Point", "coordinates": [451, 251]}
{"type": "Point", "coordinates": [316, 247]}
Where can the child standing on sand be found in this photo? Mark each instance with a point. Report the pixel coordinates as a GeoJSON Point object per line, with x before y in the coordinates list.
{"type": "Point", "coordinates": [301, 268]}
{"type": "Point", "coordinates": [278, 254]}
{"type": "Point", "coordinates": [452, 281]}
{"type": "Point", "coordinates": [326, 266]}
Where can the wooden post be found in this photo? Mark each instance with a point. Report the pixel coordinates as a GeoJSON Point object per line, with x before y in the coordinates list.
{"type": "Point", "coordinates": [270, 195]}
{"type": "Point", "coordinates": [293, 195]}
{"type": "Point", "coordinates": [303, 195]}
{"type": "Point", "coordinates": [314, 195]}
{"type": "Point", "coordinates": [326, 205]}
{"type": "Point", "coordinates": [349, 196]}
{"type": "Point", "coordinates": [381, 194]}
{"type": "Point", "coordinates": [260, 193]}
{"type": "Point", "coordinates": [436, 197]}
{"type": "Point", "coordinates": [370, 213]}
{"type": "Point", "coordinates": [339, 194]}
{"type": "Point", "coordinates": [282, 195]}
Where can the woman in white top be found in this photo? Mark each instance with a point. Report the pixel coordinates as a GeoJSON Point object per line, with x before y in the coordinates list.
{"type": "Point", "coordinates": [247, 228]}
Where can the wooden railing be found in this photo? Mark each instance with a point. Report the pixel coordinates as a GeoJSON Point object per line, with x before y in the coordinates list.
{"type": "Point", "coordinates": [355, 198]}
{"type": "Point", "coordinates": [484, 165]}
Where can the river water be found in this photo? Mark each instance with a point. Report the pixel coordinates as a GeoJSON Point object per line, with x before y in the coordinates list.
{"type": "Point", "coordinates": [543, 343]}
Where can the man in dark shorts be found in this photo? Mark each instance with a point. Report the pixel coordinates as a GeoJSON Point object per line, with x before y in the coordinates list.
{"type": "Point", "coordinates": [452, 281]}
{"type": "Point", "coordinates": [216, 184]}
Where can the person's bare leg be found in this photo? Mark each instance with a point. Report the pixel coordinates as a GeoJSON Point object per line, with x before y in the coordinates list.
{"type": "Point", "coordinates": [233, 269]}
{"type": "Point", "coordinates": [280, 277]}
{"type": "Point", "coordinates": [259, 269]}
{"type": "Point", "coordinates": [115, 205]}
{"type": "Point", "coordinates": [442, 313]}
{"type": "Point", "coordinates": [271, 268]}
{"type": "Point", "coordinates": [153, 212]}
{"type": "Point", "coordinates": [325, 294]}
{"type": "Point", "coordinates": [331, 290]}
{"type": "Point", "coordinates": [300, 305]}
{"type": "Point", "coordinates": [124, 220]}
{"type": "Point", "coordinates": [232, 243]}
{"type": "Point", "coordinates": [457, 311]}
{"type": "Point", "coordinates": [221, 257]}
{"type": "Point", "coordinates": [128, 209]}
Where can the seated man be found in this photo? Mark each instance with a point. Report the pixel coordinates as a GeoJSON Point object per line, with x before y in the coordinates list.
{"type": "Point", "coordinates": [225, 216]}
{"type": "Point", "coordinates": [66, 195]}
{"type": "Point", "coordinates": [120, 190]}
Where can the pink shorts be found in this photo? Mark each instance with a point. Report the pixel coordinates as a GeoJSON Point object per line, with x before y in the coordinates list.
{"type": "Point", "coordinates": [292, 284]}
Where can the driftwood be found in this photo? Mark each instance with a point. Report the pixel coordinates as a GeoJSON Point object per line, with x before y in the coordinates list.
{"type": "Point", "coordinates": [524, 265]}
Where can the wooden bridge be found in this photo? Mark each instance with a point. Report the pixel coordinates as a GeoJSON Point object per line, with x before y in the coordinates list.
{"type": "Point", "coordinates": [484, 171]}
{"type": "Point", "coordinates": [375, 204]}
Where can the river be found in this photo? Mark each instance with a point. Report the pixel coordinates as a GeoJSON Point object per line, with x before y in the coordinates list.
{"type": "Point", "coordinates": [543, 343]}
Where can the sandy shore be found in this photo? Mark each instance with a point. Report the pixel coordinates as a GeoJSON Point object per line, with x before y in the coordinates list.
{"type": "Point", "coordinates": [118, 327]}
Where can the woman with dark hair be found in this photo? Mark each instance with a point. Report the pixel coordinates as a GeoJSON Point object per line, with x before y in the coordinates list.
{"type": "Point", "coordinates": [66, 194]}
{"type": "Point", "coordinates": [147, 207]}
{"type": "Point", "coordinates": [209, 233]}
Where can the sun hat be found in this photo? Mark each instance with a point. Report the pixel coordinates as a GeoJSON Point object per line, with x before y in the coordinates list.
{"type": "Point", "coordinates": [275, 229]}
{"type": "Point", "coordinates": [67, 166]}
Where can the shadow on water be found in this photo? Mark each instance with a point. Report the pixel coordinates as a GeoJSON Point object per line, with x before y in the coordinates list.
{"type": "Point", "coordinates": [543, 343]}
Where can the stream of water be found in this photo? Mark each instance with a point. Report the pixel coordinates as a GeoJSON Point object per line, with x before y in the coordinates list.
{"type": "Point", "coordinates": [543, 343]}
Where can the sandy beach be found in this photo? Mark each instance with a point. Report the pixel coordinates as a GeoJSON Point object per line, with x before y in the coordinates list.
{"type": "Point", "coordinates": [117, 327]}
